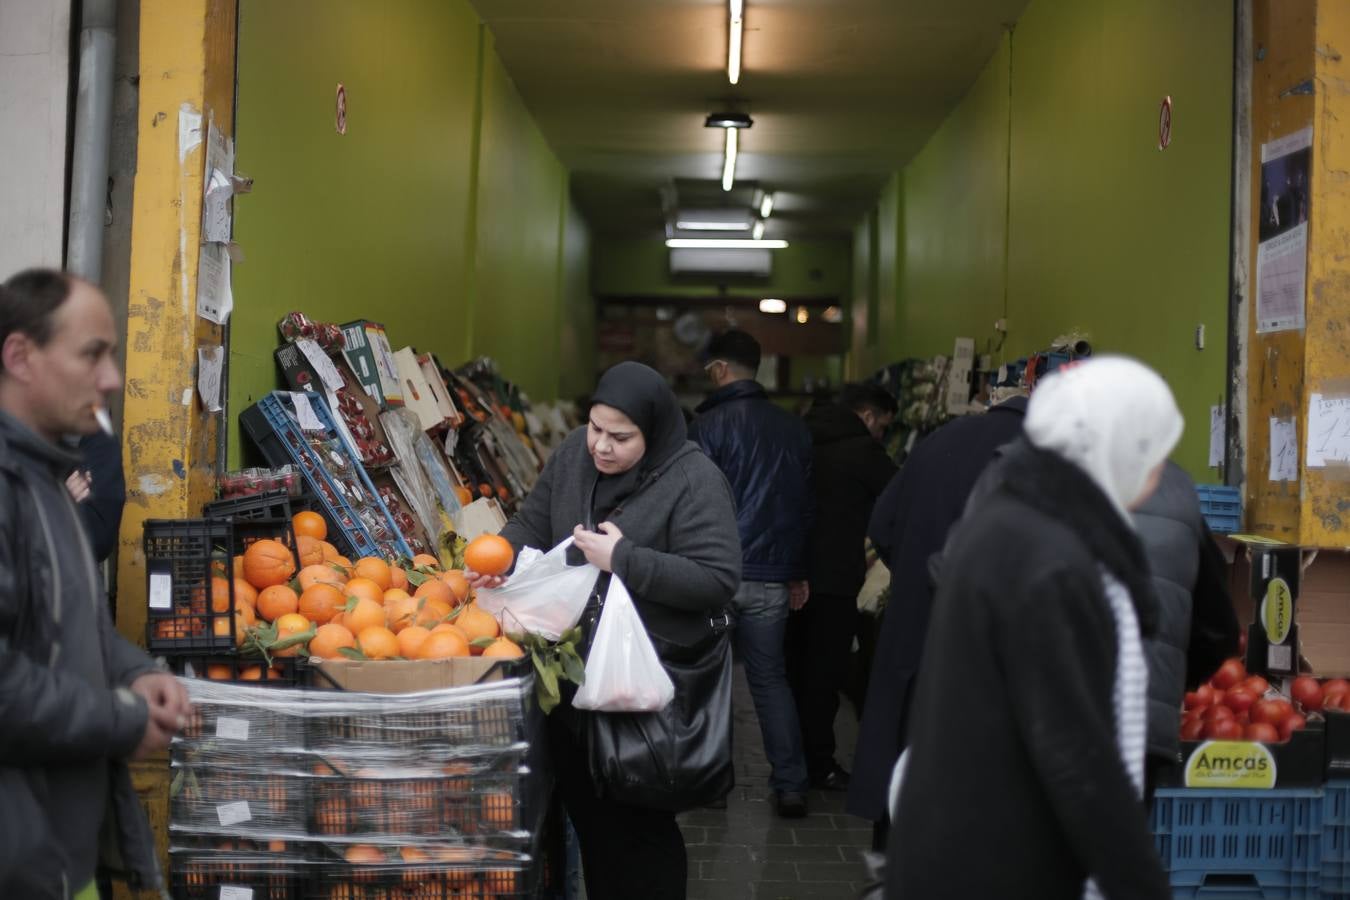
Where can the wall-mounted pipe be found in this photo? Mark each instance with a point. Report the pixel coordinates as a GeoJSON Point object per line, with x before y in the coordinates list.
{"type": "Point", "coordinates": [93, 136]}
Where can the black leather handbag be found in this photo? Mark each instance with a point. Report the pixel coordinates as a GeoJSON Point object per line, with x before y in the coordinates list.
{"type": "Point", "coordinates": [678, 758]}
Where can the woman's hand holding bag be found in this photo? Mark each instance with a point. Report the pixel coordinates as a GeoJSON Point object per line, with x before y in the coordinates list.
{"type": "Point", "coordinates": [545, 595]}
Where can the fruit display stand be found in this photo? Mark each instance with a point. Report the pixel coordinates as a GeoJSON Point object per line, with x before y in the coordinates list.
{"type": "Point", "coordinates": [306, 793]}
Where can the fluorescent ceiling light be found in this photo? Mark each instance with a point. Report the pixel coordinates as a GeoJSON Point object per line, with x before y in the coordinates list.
{"type": "Point", "coordinates": [770, 305]}
{"type": "Point", "coordinates": [732, 218]}
{"type": "Point", "coordinates": [729, 164]}
{"type": "Point", "coordinates": [766, 206]}
{"type": "Point", "coordinates": [711, 226]}
{"type": "Point", "coordinates": [734, 41]}
{"type": "Point", "coordinates": [725, 244]}
{"type": "Point", "coordinates": [758, 231]}
{"type": "Point", "coordinates": [728, 120]}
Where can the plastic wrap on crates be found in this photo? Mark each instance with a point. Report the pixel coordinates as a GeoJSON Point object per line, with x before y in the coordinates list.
{"type": "Point", "coordinates": [196, 874]}
{"type": "Point", "coordinates": [212, 799]}
{"type": "Point", "coordinates": [419, 871]}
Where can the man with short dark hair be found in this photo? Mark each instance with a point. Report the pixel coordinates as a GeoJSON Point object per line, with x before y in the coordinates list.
{"type": "Point", "coordinates": [850, 470]}
{"type": "Point", "coordinates": [77, 699]}
{"type": "Point", "coordinates": [765, 453]}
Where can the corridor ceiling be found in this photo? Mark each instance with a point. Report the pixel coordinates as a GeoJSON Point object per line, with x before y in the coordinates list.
{"type": "Point", "coordinates": [843, 93]}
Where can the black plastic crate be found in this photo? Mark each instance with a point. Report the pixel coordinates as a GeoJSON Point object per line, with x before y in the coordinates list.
{"type": "Point", "coordinates": [431, 871]}
{"type": "Point", "coordinates": [283, 672]}
{"type": "Point", "coordinates": [205, 875]}
{"type": "Point", "coordinates": [472, 806]}
{"type": "Point", "coordinates": [215, 800]}
{"type": "Point", "coordinates": [182, 557]}
{"type": "Point", "coordinates": [269, 505]}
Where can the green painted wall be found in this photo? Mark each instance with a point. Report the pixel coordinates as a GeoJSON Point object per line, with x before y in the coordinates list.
{"type": "Point", "coordinates": [522, 192]}
{"type": "Point", "coordinates": [641, 267]}
{"type": "Point", "coordinates": [1058, 139]}
{"type": "Point", "coordinates": [577, 376]}
{"type": "Point", "coordinates": [441, 212]}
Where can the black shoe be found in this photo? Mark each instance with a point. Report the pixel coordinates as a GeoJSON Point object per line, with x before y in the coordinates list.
{"type": "Point", "coordinates": [832, 779]}
{"type": "Point", "coordinates": [789, 804]}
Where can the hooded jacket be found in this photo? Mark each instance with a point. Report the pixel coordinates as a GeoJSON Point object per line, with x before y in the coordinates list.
{"type": "Point", "coordinates": [765, 453]}
{"type": "Point", "coordinates": [70, 719]}
{"type": "Point", "coordinates": [850, 469]}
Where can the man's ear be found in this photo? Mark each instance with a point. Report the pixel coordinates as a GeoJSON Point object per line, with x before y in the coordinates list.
{"type": "Point", "coordinates": [15, 355]}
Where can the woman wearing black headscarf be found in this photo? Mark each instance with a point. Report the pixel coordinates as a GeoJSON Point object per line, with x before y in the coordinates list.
{"type": "Point", "coordinates": [644, 503]}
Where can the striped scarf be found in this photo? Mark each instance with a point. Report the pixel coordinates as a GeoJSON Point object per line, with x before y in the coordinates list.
{"type": "Point", "coordinates": [1130, 696]}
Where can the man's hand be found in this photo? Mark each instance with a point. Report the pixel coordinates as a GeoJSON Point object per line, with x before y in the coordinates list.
{"type": "Point", "coordinates": [155, 740]}
{"type": "Point", "coordinates": [598, 545]}
{"type": "Point", "coordinates": [798, 593]}
{"type": "Point", "coordinates": [168, 702]}
{"type": "Point", "coordinates": [79, 485]}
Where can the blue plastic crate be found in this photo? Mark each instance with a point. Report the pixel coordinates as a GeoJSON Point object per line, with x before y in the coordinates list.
{"type": "Point", "coordinates": [1210, 832]}
{"type": "Point", "coordinates": [1336, 839]}
{"type": "Point", "coordinates": [272, 424]}
{"type": "Point", "coordinates": [1259, 884]}
{"type": "Point", "coordinates": [1221, 506]}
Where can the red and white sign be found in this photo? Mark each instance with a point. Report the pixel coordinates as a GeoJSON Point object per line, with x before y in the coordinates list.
{"type": "Point", "coordinates": [1165, 124]}
{"type": "Point", "coordinates": [341, 109]}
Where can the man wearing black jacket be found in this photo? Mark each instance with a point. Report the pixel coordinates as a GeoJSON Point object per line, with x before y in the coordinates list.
{"type": "Point", "coordinates": [850, 469]}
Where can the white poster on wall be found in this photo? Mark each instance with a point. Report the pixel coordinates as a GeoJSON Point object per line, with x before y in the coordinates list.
{"type": "Point", "coordinates": [1282, 229]}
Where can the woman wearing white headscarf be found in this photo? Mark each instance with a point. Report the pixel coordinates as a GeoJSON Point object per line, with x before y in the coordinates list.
{"type": "Point", "coordinates": [1025, 770]}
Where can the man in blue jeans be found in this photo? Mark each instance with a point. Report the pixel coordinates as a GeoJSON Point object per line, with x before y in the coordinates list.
{"type": "Point", "coordinates": [765, 453]}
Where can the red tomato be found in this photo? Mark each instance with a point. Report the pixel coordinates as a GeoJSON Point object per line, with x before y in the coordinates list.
{"type": "Point", "coordinates": [1230, 673]}
{"type": "Point", "coordinates": [1294, 723]}
{"type": "Point", "coordinates": [1257, 685]}
{"type": "Point", "coordinates": [1263, 732]}
{"type": "Point", "coordinates": [1307, 692]}
{"type": "Point", "coordinates": [1216, 697]}
{"type": "Point", "coordinates": [1199, 698]}
{"type": "Point", "coordinates": [1344, 702]}
{"type": "Point", "coordinates": [1191, 731]}
{"type": "Point", "coordinates": [1273, 711]}
{"type": "Point", "coordinates": [1216, 712]}
{"type": "Point", "coordinates": [1223, 730]}
{"type": "Point", "coordinates": [1335, 684]}
{"type": "Point", "coordinates": [1239, 699]}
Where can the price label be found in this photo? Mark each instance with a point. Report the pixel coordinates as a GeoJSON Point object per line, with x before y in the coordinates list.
{"type": "Point", "coordinates": [230, 892]}
{"type": "Point", "coordinates": [304, 413]}
{"type": "Point", "coordinates": [232, 729]}
{"type": "Point", "coordinates": [233, 813]}
{"type": "Point", "coordinates": [328, 372]}
{"type": "Point", "coordinates": [161, 590]}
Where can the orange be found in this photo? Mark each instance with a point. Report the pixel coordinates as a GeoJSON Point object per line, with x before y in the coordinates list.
{"type": "Point", "coordinates": [442, 645]}
{"type": "Point", "coordinates": [458, 584]}
{"type": "Point", "coordinates": [320, 602]}
{"type": "Point", "coordinates": [452, 628]}
{"type": "Point", "coordinates": [250, 673]}
{"type": "Point", "coordinates": [364, 854]}
{"type": "Point", "coordinates": [329, 639]}
{"type": "Point", "coordinates": [398, 578]}
{"type": "Point", "coordinates": [365, 589]}
{"type": "Point", "coordinates": [504, 648]}
{"type": "Point", "coordinates": [362, 613]}
{"type": "Point", "coordinates": [399, 611]}
{"type": "Point", "coordinates": [343, 563]}
{"type": "Point", "coordinates": [244, 592]}
{"type": "Point", "coordinates": [499, 810]}
{"type": "Point", "coordinates": [239, 566]}
{"type": "Point", "coordinates": [276, 601]}
{"type": "Point", "coordinates": [410, 639]}
{"type": "Point", "coordinates": [330, 552]}
{"type": "Point", "coordinates": [476, 623]}
{"type": "Point", "coordinates": [268, 562]}
{"type": "Point", "coordinates": [310, 524]}
{"type": "Point", "coordinates": [431, 612]}
{"type": "Point", "coordinates": [489, 554]}
{"type": "Point", "coordinates": [320, 574]}
{"type": "Point", "coordinates": [374, 568]}
{"type": "Point", "coordinates": [220, 594]}
{"type": "Point", "coordinates": [218, 672]}
{"type": "Point", "coordinates": [377, 642]}
{"type": "Point", "coordinates": [243, 620]}
{"type": "Point", "coordinates": [463, 494]}
{"type": "Point", "coordinates": [425, 559]}
{"type": "Point", "coordinates": [435, 589]}
{"type": "Point", "coordinates": [310, 550]}
{"type": "Point", "coordinates": [338, 619]}
{"type": "Point", "coordinates": [290, 625]}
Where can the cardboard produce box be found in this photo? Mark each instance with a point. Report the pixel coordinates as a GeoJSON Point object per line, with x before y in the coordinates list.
{"type": "Point", "coordinates": [1252, 765]}
{"type": "Point", "coordinates": [395, 676]}
{"type": "Point", "coordinates": [366, 348]}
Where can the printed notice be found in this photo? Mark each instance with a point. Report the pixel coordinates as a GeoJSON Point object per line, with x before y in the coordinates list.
{"type": "Point", "coordinates": [1216, 435]}
{"type": "Point", "coordinates": [1328, 430]}
{"type": "Point", "coordinates": [218, 185]}
{"type": "Point", "coordinates": [304, 413]}
{"type": "Point", "coordinates": [215, 298]}
{"type": "Point", "coordinates": [1282, 229]}
{"type": "Point", "coordinates": [230, 892]}
{"type": "Point", "coordinates": [1283, 450]}
{"type": "Point", "coordinates": [232, 729]}
{"type": "Point", "coordinates": [322, 363]}
{"type": "Point", "coordinates": [210, 362]}
{"type": "Point", "coordinates": [233, 813]}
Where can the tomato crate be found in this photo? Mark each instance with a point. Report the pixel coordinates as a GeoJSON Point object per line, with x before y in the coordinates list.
{"type": "Point", "coordinates": [331, 469]}
{"type": "Point", "coordinates": [184, 615]}
{"type": "Point", "coordinates": [1237, 843]}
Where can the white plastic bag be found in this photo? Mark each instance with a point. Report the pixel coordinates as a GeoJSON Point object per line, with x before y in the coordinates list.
{"type": "Point", "coordinates": [544, 595]}
{"type": "Point", "coordinates": [623, 672]}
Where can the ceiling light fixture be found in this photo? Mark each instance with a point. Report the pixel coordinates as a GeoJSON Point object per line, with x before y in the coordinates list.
{"type": "Point", "coordinates": [758, 232]}
{"type": "Point", "coordinates": [725, 244]}
{"type": "Point", "coordinates": [728, 120]}
{"type": "Point", "coordinates": [729, 164]}
{"type": "Point", "coordinates": [772, 306]}
{"type": "Point", "coordinates": [712, 226]}
{"type": "Point", "coordinates": [802, 315]}
{"type": "Point", "coordinates": [766, 206]}
{"type": "Point", "coordinates": [734, 41]}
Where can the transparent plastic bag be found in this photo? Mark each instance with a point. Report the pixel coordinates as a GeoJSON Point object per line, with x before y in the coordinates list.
{"type": "Point", "coordinates": [544, 595]}
{"type": "Point", "coordinates": [623, 672]}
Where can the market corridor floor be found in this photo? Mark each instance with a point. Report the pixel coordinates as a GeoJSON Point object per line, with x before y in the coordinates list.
{"type": "Point", "coordinates": [745, 852]}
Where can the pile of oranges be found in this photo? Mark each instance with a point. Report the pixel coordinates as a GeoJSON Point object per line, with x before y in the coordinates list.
{"type": "Point", "coordinates": [323, 604]}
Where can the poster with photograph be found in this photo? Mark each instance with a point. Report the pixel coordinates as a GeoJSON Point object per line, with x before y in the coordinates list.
{"type": "Point", "coordinates": [1282, 229]}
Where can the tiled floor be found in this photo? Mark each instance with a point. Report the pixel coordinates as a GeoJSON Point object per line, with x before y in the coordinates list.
{"type": "Point", "coordinates": [745, 852]}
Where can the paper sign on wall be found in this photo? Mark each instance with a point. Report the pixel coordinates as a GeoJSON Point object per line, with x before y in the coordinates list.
{"type": "Point", "coordinates": [1328, 430]}
{"type": "Point", "coordinates": [1216, 435]}
{"type": "Point", "coordinates": [1283, 450]}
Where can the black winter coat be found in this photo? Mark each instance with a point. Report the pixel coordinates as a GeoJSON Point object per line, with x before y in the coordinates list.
{"type": "Point", "coordinates": [765, 453]}
{"type": "Point", "coordinates": [850, 469]}
{"type": "Point", "coordinates": [1015, 787]}
{"type": "Point", "coordinates": [1197, 627]}
{"type": "Point", "coordinates": [909, 524]}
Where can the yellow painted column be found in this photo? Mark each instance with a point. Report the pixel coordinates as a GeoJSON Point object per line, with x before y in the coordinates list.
{"type": "Point", "coordinates": [169, 447]}
{"type": "Point", "coordinates": [1325, 520]}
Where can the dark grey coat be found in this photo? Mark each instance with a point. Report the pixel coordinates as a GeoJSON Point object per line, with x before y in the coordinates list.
{"type": "Point", "coordinates": [680, 556]}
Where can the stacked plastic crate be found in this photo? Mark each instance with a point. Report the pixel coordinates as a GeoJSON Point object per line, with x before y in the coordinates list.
{"type": "Point", "coordinates": [319, 794]}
